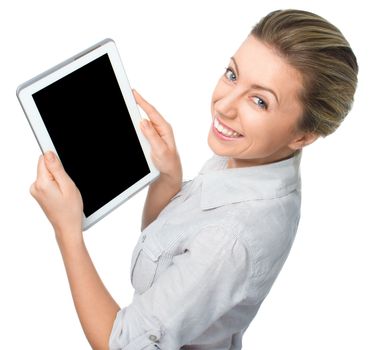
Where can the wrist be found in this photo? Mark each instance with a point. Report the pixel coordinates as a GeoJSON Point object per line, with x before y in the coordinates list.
{"type": "Point", "coordinates": [69, 238]}
{"type": "Point", "coordinates": [170, 183]}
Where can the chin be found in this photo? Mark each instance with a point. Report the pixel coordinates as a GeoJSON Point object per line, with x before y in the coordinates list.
{"type": "Point", "coordinates": [216, 147]}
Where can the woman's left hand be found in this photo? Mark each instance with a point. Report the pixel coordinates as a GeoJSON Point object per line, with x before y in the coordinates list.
{"type": "Point", "coordinates": [58, 197]}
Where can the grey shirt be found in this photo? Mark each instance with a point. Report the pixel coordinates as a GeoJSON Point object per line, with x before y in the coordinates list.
{"type": "Point", "coordinates": [202, 269]}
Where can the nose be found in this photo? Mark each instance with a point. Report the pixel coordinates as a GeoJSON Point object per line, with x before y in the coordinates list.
{"type": "Point", "coordinates": [227, 105]}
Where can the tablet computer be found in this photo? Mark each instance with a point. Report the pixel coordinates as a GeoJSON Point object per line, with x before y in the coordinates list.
{"type": "Point", "coordinates": [84, 110]}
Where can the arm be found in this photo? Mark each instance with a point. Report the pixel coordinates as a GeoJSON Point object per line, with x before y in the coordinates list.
{"type": "Point", "coordinates": [190, 298]}
{"type": "Point", "coordinates": [159, 194]}
{"type": "Point", "coordinates": [95, 307]}
{"type": "Point", "coordinates": [165, 157]}
{"type": "Point", "coordinates": [62, 203]}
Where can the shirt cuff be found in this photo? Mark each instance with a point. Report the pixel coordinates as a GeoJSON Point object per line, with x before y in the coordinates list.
{"type": "Point", "coordinates": [129, 332]}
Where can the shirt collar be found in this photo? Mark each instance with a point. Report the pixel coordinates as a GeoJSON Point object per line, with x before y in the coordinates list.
{"type": "Point", "coordinates": [222, 185]}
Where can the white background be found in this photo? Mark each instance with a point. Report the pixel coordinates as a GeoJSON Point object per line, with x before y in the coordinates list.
{"type": "Point", "coordinates": [173, 53]}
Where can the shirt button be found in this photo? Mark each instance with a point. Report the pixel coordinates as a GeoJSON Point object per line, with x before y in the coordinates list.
{"type": "Point", "coordinates": [152, 337]}
{"type": "Point", "coordinates": [143, 238]}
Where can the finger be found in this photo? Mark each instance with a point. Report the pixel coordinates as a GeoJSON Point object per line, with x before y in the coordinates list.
{"type": "Point", "coordinates": [32, 190]}
{"type": "Point", "coordinates": [151, 111]}
{"type": "Point", "coordinates": [151, 134]}
{"type": "Point", "coordinates": [156, 136]}
{"type": "Point", "coordinates": [55, 167]}
{"type": "Point", "coordinates": [163, 128]}
{"type": "Point", "coordinates": [43, 175]}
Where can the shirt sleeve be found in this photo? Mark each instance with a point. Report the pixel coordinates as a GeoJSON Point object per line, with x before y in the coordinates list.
{"type": "Point", "coordinates": [202, 284]}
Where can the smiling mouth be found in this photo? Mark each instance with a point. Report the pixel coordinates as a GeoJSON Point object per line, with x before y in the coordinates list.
{"type": "Point", "coordinates": [224, 130]}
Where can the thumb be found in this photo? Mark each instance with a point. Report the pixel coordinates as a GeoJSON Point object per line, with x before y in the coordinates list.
{"type": "Point", "coordinates": [55, 167]}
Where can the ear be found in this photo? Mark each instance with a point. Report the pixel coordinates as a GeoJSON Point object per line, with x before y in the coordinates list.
{"type": "Point", "coordinates": [303, 140]}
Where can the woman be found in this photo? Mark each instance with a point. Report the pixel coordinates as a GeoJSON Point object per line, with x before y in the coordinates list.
{"type": "Point", "coordinates": [211, 248]}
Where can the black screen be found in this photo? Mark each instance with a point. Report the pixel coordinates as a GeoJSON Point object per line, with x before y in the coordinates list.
{"type": "Point", "coordinates": [91, 129]}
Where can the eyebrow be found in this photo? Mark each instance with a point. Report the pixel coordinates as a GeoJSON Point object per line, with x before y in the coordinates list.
{"type": "Point", "coordinates": [257, 86]}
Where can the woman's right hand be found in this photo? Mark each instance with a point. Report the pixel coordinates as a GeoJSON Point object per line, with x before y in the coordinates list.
{"type": "Point", "coordinates": [160, 135]}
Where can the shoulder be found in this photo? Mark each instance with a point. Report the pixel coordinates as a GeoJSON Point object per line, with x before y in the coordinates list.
{"type": "Point", "coordinates": [267, 228]}
{"type": "Point", "coordinates": [251, 219]}
{"type": "Point", "coordinates": [253, 237]}
{"type": "Point", "coordinates": [271, 225]}
{"type": "Point", "coordinates": [255, 222]}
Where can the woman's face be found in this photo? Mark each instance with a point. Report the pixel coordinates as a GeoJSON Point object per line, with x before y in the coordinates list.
{"type": "Point", "coordinates": [257, 97]}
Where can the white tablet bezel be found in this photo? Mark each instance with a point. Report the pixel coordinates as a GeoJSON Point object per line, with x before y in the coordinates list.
{"type": "Point", "coordinates": [27, 89]}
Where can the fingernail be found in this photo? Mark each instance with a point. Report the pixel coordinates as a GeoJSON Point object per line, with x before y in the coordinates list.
{"type": "Point", "coordinates": [145, 123]}
{"type": "Point", "coordinates": [50, 156]}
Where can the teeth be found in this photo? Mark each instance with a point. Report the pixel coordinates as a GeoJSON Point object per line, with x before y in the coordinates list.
{"type": "Point", "coordinates": [224, 130]}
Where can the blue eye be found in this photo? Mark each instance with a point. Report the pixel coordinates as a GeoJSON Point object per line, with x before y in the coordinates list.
{"type": "Point", "coordinates": [259, 102]}
{"type": "Point", "coordinates": [229, 76]}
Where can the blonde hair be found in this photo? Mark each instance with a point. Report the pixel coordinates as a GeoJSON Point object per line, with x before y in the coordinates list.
{"type": "Point", "coordinates": [319, 51]}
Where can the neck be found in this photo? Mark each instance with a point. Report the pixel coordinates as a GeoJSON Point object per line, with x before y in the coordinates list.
{"type": "Point", "coordinates": [240, 163]}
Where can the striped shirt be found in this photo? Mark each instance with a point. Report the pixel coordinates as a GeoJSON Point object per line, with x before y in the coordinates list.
{"type": "Point", "coordinates": [203, 267]}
